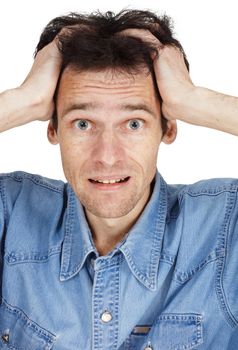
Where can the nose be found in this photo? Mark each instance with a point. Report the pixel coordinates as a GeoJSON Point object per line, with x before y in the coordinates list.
{"type": "Point", "coordinates": [107, 149]}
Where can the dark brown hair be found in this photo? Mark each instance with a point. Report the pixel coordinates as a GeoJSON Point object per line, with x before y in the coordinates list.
{"type": "Point", "coordinates": [91, 42]}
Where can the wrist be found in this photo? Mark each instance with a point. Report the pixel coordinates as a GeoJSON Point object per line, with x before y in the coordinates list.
{"type": "Point", "coordinates": [16, 109]}
{"type": "Point", "coordinates": [199, 107]}
{"type": "Point", "coordinates": [182, 104]}
{"type": "Point", "coordinates": [33, 105]}
{"type": "Point", "coordinates": [23, 105]}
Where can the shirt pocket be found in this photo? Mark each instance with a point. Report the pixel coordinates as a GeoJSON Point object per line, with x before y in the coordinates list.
{"type": "Point", "coordinates": [18, 332]}
{"type": "Point", "coordinates": [169, 332]}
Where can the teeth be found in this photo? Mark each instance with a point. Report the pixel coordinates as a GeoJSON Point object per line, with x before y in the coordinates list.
{"type": "Point", "coordinates": [109, 181]}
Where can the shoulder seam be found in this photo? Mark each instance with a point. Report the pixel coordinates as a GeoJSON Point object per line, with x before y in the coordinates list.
{"type": "Point", "coordinates": [37, 179]}
{"type": "Point", "coordinates": [3, 196]}
{"type": "Point", "coordinates": [221, 264]}
{"type": "Point", "coordinates": [216, 190]}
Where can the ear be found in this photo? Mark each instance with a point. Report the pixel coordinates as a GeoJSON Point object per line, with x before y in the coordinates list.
{"type": "Point", "coordinates": [52, 134]}
{"type": "Point", "coordinates": [171, 132]}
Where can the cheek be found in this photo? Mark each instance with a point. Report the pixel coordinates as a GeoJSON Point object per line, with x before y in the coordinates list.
{"type": "Point", "coordinates": [71, 156]}
{"type": "Point", "coordinates": [72, 148]}
{"type": "Point", "coordinates": [145, 151]}
{"type": "Point", "coordinates": [78, 153]}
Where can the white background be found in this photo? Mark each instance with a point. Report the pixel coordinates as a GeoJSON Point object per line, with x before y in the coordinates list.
{"type": "Point", "coordinates": [208, 31]}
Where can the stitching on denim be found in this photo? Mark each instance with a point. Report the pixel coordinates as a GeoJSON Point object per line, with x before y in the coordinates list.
{"type": "Point", "coordinates": [127, 343]}
{"type": "Point", "coordinates": [158, 235]}
{"type": "Point", "coordinates": [116, 302]}
{"type": "Point", "coordinates": [37, 179]}
{"type": "Point", "coordinates": [211, 191]}
{"type": "Point", "coordinates": [180, 317]}
{"type": "Point", "coordinates": [104, 264]}
{"type": "Point", "coordinates": [167, 257]}
{"type": "Point", "coordinates": [67, 273]}
{"type": "Point", "coordinates": [97, 293]}
{"type": "Point", "coordinates": [182, 276]}
{"type": "Point", "coordinates": [149, 280]}
{"type": "Point", "coordinates": [67, 244]}
{"type": "Point", "coordinates": [42, 332]}
{"type": "Point", "coordinates": [112, 303]}
{"type": "Point", "coordinates": [222, 302]}
{"type": "Point", "coordinates": [109, 262]}
{"type": "Point", "coordinates": [135, 271]}
{"type": "Point", "coordinates": [189, 190]}
{"type": "Point", "coordinates": [66, 252]}
{"type": "Point", "coordinates": [77, 267]}
{"type": "Point", "coordinates": [195, 319]}
{"type": "Point", "coordinates": [18, 257]}
{"type": "Point", "coordinates": [3, 195]}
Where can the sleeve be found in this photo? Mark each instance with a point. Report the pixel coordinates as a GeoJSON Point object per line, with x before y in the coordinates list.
{"type": "Point", "coordinates": [9, 189]}
{"type": "Point", "coordinates": [229, 273]}
{"type": "Point", "coordinates": [2, 226]}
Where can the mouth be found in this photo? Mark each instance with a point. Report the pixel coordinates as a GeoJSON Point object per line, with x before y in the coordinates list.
{"type": "Point", "coordinates": [109, 183]}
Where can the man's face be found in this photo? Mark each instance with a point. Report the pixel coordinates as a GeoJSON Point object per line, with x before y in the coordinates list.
{"type": "Point", "coordinates": [109, 129]}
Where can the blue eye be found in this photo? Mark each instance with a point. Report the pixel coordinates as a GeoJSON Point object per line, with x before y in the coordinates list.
{"type": "Point", "coordinates": [82, 124]}
{"type": "Point", "coordinates": [135, 124]}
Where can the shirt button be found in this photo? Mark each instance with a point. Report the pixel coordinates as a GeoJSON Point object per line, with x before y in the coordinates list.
{"type": "Point", "coordinates": [5, 338]}
{"type": "Point", "coordinates": [148, 348]}
{"type": "Point", "coordinates": [106, 317]}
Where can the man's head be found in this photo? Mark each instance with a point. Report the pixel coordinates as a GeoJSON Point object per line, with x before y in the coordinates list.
{"type": "Point", "coordinates": [93, 42]}
{"type": "Point", "coordinates": [107, 117]}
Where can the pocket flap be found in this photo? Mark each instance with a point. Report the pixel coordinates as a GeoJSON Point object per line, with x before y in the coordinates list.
{"type": "Point", "coordinates": [170, 332]}
{"type": "Point", "coordinates": [19, 332]}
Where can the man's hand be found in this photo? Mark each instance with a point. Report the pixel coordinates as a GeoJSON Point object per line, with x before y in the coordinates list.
{"type": "Point", "coordinates": [40, 84]}
{"type": "Point", "coordinates": [173, 80]}
{"type": "Point", "coordinates": [33, 100]}
{"type": "Point", "coordinates": [181, 99]}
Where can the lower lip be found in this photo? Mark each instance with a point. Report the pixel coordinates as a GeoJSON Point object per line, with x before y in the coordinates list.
{"type": "Point", "coordinates": [110, 187]}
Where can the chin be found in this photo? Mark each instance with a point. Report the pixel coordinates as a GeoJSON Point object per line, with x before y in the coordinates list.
{"type": "Point", "coordinates": [108, 208]}
{"type": "Point", "coordinates": [109, 204]}
{"type": "Point", "coordinates": [108, 213]}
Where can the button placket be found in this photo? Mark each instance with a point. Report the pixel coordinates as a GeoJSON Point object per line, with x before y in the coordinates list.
{"type": "Point", "coordinates": [106, 303]}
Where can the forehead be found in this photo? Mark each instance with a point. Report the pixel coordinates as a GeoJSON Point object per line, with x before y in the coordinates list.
{"type": "Point", "coordinates": [106, 87]}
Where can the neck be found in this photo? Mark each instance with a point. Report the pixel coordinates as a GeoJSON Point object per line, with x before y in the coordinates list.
{"type": "Point", "coordinates": [108, 232]}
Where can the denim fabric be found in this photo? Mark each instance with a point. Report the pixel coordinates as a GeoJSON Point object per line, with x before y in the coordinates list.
{"type": "Point", "coordinates": [171, 284]}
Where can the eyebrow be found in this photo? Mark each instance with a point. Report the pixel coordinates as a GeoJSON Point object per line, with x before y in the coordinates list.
{"type": "Point", "coordinates": [86, 106]}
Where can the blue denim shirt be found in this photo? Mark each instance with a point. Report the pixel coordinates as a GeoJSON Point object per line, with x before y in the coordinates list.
{"type": "Point", "coordinates": [171, 284]}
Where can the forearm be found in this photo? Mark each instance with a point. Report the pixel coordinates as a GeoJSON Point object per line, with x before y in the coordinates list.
{"type": "Point", "coordinates": [16, 109]}
{"type": "Point", "coordinates": [211, 109]}
{"type": "Point", "coordinates": [33, 100]}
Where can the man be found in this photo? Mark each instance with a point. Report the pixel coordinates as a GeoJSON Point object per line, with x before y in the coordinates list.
{"type": "Point", "coordinates": [116, 258]}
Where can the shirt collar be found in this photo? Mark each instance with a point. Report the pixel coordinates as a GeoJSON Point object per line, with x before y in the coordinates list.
{"type": "Point", "coordinates": [141, 248]}
{"type": "Point", "coordinates": [78, 242]}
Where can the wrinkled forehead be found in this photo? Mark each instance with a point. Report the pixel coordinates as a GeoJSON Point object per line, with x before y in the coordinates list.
{"type": "Point", "coordinates": [105, 85]}
{"type": "Point", "coordinates": [110, 78]}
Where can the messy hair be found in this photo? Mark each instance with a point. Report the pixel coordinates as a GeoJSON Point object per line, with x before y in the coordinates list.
{"type": "Point", "coordinates": [91, 42]}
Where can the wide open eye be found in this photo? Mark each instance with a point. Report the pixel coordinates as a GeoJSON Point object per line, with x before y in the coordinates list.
{"type": "Point", "coordinates": [82, 124]}
{"type": "Point", "coordinates": [135, 124]}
